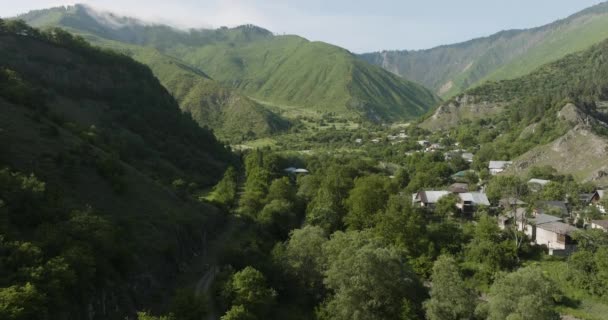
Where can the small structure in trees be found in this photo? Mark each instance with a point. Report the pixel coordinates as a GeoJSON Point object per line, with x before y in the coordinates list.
{"type": "Point", "coordinates": [497, 167]}
{"type": "Point", "coordinates": [600, 224]}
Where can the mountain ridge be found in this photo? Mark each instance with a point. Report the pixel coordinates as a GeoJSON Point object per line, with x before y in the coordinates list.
{"type": "Point", "coordinates": [284, 70]}
{"type": "Point", "coordinates": [451, 69]}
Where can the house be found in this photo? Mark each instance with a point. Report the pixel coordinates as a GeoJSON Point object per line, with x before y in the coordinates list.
{"type": "Point", "coordinates": [376, 140]}
{"type": "Point", "coordinates": [459, 188]}
{"type": "Point", "coordinates": [460, 175]}
{"type": "Point", "coordinates": [468, 157]}
{"type": "Point", "coordinates": [600, 224]}
{"type": "Point", "coordinates": [469, 201]}
{"type": "Point", "coordinates": [497, 167]}
{"type": "Point", "coordinates": [537, 184]}
{"type": "Point", "coordinates": [557, 236]}
{"type": "Point", "coordinates": [428, 199]}
{"type": "Point", "coordinates": [510, 202]}
{"type": "Point", "coordinates": [593, 199]}
{"type": "Point", "coordinates": [359, 141]}
{"type": "Point", "coordinates": [547, 230]}
{"type": "Point", "coordinates": [435, 146]}
{"type": "Point", "coordinates": [292, 170]}
{"type": "Point", "coordinates": [424, 143]}
{"type": "Point", "coordinates": [558, 208]}
{"type": "Point", "coordinates": [597, 203]}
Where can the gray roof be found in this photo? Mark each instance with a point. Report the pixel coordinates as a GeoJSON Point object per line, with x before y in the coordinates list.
{"type": "Point", "coordinates": [542, 182]}
{"type": "Point", "coordinates": [541, 219]}
{"type": "Point", "coordinates": [432, 196]}
{"type": "Point", "coordinates": [499, 164]}
{"type": "Point", "coordinates": [558, 227]}
{"type": "Point", "coordinates": [477, 198]}
{"type": "Point", "coordinates": [601, 223]}
{"type": "Point", "coordinates": [511, 201]}
{"type": "Point", "coordinates": [458, 188]}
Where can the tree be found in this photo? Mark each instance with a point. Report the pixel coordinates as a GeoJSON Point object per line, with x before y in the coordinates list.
{"type": "Point", "coordinates": [249, 289]}
{"type": "Point", "coordinates": [404, 226]}
{"type": "Point", "coordinates": [450, 298]}
{"type": "Point", "coordinates": [256, 188]}
{"type": "Point", "coordinates": [488, 252]}
{"type": "Point", "coordinates": [525, 294]}
{"type": "Point", "coordinates": [186, 305]}
{"type": "Point", "coordinates": [369, 280]}
{"type": "Point", "coordinates": [278, 217]}
{"type": "Point", "coordinates": [303, 257]}
{"type": "Point", "coordinates": [510, 188]}
{"type": "Point", "coordinates": [365, 201]}
{"type": "Point", "coordinates": [446, 206]}
{"type": "Point", "coordinates": [238, 312]}
{"type": "Point", "coordinates": [225, 191]}
{"type": "Point", "coordinates": [281, 189]}
{"type": "Point", "coordinates": [589, 264]}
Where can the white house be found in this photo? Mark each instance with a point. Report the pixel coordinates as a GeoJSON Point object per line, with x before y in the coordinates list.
{"type": "Point", "coordinates": [468, 157]}
{"type": "Point", "coordinates": [543, 229]}
{"type": "Point", "coordinates": [556, 236]}
{"type": "Point", "coordinates": [497, 167]}
{"type": "Point", "coordinates": [600, 224]}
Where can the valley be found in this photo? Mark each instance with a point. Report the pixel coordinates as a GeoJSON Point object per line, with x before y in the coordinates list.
{"type": "Point", "coordinates": [153, 173]}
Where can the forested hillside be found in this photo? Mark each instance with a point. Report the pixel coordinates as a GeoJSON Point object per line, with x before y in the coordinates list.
{"type": "Point", "coordinates": [451, 69]}
{"type": "Point", "coordinates": [97, 171]}
{"type": "Point", "coordinates": [282, 71]}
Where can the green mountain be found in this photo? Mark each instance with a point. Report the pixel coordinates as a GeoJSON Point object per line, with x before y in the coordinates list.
{"type": "Point", "coordinates": [210, 104]}
{"type": "Point", "coordinates": [451, 69]}
{"type": "Point", "coordinates": [556, 107]}
{"type": "Point", "coordinates": [281, 71]}
{"type": "Point", "coordinates": [96, 168]}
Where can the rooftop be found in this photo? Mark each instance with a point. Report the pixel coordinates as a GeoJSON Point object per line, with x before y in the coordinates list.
{"type": "Point", "coordinates": [476, 198]}
{"type": "Point", "coordinates": [558, 227]}
{"type": "Point", "coordinates": [542, 182]}
{"type": "Point", "coordinates": [601, 223]}
{"type": "Point", "coordinates": [499, 164]}
{"type": "Point", "coordinates": [431, 196]}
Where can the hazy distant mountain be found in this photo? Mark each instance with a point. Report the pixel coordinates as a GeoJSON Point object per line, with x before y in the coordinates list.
{"type": "Point", "coordinates": [450, 69]}
{"type": "Point", "coordinates": [280, 71]}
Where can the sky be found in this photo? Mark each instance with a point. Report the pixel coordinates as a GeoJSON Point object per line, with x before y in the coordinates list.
{"type": "Point", "coordinates": [360, 26]}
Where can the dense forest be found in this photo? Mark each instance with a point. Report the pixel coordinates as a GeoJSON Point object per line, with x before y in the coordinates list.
{"type": "Point", "coordinates": [98, 165]}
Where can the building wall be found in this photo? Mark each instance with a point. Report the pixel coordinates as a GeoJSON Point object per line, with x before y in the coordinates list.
{"type": "Point", "coordinates": [548, 238]}
{"type": "Point", "coordinates": [596, 226]}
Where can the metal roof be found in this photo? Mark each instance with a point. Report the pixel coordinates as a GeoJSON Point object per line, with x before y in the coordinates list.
{"type": "Point", "coordinates": [499, 164]}
{"type": "Point", "coordinates": [558, 227]}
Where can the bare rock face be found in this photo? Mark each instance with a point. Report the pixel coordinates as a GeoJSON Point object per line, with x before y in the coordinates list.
{"type": "Point", "coordinates": [462, 107]}
{"type": "Point", "coordinates": [573, 115]}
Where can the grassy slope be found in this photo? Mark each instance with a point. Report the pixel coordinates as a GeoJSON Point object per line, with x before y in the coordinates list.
{"type": "Point", "coordinates": [293, 71]}
{"type": "Point", "coordinates": [505, 55]}
{"type": "Point", "coordinates": [100, 106]}
{"type": "Point", "coordinates": [583, 306]}
{"type": "Point", "coordinates": [283, 70]}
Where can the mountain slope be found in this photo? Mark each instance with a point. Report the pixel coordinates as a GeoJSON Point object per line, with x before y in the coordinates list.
{"type": "Point", "coordinates": [210, 104]}
{"type": "Point", "coordinates": [452, 69]}
{"type": "Point", "coordinates": [559, 103]}
{"type": "Point", "coordinates": [106, 226]}
{"type": "Point", "coordinates": [282, 70]}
